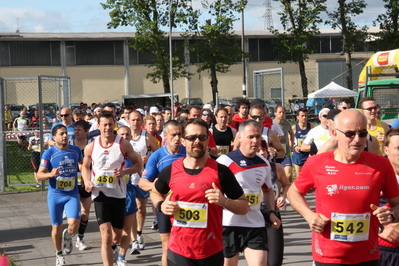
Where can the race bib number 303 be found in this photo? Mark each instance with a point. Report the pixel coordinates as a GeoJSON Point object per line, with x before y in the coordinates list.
{"type": "Point", "coordinates": [193, 215]}
{"type": "Point", "coordinates": [350, 227]}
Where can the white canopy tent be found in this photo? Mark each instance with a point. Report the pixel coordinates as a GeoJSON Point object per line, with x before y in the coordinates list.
{"type": "Point", "coordinates": [332, 90]}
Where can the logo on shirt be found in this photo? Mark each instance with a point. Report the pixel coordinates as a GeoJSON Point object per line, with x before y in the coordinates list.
{"type": "Point", "coordinates": [332, 189]}
{"type": "Point", "coordinates": [192, 185]}
{"type": "Point", "coordinates": [331, 170]}
{"type": "Point", "coordinates": [243, 163]}
{"type": "Point", "coordinates": [44, 162]}
{"type": "Point", "coordinates": [106, 152]}
{"type": "Point", "coordinates": [205, 186]}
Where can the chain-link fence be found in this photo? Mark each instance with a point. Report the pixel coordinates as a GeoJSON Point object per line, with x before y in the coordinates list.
{"type": "Point", "coordinates": [278, 87]}
{"type": "Point", "coordinates": [30, 109]}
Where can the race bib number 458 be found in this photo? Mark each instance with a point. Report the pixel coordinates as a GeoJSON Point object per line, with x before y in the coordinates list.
{"type": "Point", "coordinates": [350, 227]}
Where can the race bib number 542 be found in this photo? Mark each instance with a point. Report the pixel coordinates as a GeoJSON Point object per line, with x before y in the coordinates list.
{"type": "Point", "coordinates": [350, 227]}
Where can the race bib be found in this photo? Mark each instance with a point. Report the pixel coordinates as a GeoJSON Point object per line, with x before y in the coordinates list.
{"type": "Point", "coordinates": [350, 227]}
{"type": "Point", "coordinates": [300, 142]}
{"type": "Point", "coordinates": [193, 215]}
{"type": "Point", "coordinates": [105, 179]}
{"type": "Point", "coordinates": [36, 148]}
{"type": "Point", "coordinates": [79, 178]}
{"type": "Point", "coordinates": [253, 197]}
{"type": "Point", "coordinates": [65, 183]}
{"type": "Point", "coordinates": [223, 149]}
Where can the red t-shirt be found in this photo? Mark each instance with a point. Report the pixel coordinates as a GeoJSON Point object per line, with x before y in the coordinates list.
{"type": "Point", "coordinates": [196, 243]}
{"type": "Point", "coordinates": [237, 120]}
{"type": "Point", "coordinates": [347, 190]}
{"type": "Point", "coordinates": [268, 122]}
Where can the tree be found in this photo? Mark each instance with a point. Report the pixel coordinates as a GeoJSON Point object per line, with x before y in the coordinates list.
{"type": "Point", "coordinates": [388, 37]}
{"type": "Point", "coordinates": [149, 17]}
{"type": "Point", "coordinates": [300, 20]}
{"type": "Point", "coordinates": [351, 34]}
{"type": "Point", "coordinates": [216, 45]}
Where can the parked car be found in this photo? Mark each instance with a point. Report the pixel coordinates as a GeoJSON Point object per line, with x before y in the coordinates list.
{"type": "Point", "coordinates": [222, 102]}
{"type": "Point", "coordinates": [186, 102]}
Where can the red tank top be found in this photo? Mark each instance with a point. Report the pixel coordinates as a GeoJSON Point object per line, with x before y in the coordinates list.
{"type": "Point", "coordinates": [196, 243]}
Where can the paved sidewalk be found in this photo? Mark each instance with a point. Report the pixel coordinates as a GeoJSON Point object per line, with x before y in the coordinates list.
{"type": "Point", "coordinates": [25, 235]}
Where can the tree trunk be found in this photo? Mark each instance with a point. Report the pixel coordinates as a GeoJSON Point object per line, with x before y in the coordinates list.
{"type": "Point", "coordinates": [214, 85]}
{"type": "Point", "coordinates": [166, 84]}
{"type": "Point", "coordinates": [348, 59]}
{"type": "Point", "coordinates": [304, 79]}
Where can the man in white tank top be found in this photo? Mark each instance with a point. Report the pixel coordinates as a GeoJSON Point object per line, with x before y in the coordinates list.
{"type": "Point", "coordinates": [107, 154]}
{"type": "Point", "coordinates": [144, 144]}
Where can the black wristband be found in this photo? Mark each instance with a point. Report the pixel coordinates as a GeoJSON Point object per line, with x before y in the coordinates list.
{"type": "Point", "coordinates": [273, 211]}
{"type": "Point", "coordinates": [158, 206]}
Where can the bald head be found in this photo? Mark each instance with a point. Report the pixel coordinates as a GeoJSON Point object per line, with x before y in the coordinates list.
{"type": "Point", "coordinates": [350, 116]}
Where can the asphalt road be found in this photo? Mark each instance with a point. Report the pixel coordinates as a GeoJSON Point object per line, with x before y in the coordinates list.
{"type": "Point", "coordinates": [25, 235]}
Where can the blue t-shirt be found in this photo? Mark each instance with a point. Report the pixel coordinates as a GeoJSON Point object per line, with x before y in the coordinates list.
{"type": "Point", "coordinates": [70, 130]}
{"type": "Point", "coordinates": [160, 159]}
{"type": "Point", "coordinates": [396, 123]}
{"type": "Point", "coordinates": [66, 162]}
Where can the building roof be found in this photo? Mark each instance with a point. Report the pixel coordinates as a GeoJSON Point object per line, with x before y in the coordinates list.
{"type": "Point", "coordinates": [86, 36]}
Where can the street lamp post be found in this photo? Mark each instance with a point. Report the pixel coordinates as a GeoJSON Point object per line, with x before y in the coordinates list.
{"type": "Point", "coordinates": [172, 99]}
{"type": "Point", "coordinates": [244, 77]}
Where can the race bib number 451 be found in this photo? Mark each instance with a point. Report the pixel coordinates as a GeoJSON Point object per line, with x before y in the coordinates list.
{"type": "Point", "coordinates": [194, 215]}
{"type": "Point", "coordinates": [350, 227]}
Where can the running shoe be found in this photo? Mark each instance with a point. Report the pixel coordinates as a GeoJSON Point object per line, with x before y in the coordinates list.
{"type": "Point", "coordinates": [154, 225]}
{"type": "Point", "coordinates": [38, 184]}
{"type": "Point", "coordinates": [81, 245]}
{"type": "Point", "coordinates": [67, 248]}
{"type": "Point", "coordinates": [60, 261]}
{"type": "Point", "coordinates": [116, 253]}
{"type": "Point", "coordinates": [121, 263]}
{"type": "Point", "coordinates": [140, 239]}
{"type": "Point", "coordinates": [135, 248]}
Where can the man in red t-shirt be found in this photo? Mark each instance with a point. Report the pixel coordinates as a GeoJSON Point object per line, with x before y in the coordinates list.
{"type": "Point", "coordinates": [198, 187]}
{"type": "Point", "coordinates": [243, 110]}
{"type": "Point", "coordinates": [389, 235]}
{"type": "Point", "coordinates": [347, 183]}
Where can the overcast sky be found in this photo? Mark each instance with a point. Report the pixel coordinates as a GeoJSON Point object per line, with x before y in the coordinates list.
{"type": "Point", "coordinates": [88, 15]}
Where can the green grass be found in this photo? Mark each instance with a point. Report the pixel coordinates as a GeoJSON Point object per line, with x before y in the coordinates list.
{"type": "Point", "coordinates": [20, 175]}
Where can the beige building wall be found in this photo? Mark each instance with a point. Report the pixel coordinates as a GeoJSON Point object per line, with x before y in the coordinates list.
{"type": "Point", "coordinates": [107, 83]}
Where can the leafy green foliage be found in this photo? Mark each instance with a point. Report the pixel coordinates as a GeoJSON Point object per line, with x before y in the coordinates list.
{"type": "Point", "coordinates": [215, 43]}
{"type": "Point", "coordinates": [300, 20]}
{"type": "Point", "coordinates": [341, 18]}
{"type": "Point", "coordinates": [388, 37]}
{"type": "Point", "coordinates": [149, 17]}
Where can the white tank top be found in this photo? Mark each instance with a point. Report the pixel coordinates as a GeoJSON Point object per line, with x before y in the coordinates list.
{"type": "Point", "coordinates": [265, 134]}
{"type": "Point", "coordinates": [104, 160]}
{"type": "Point", "coordinates": [139, 146]}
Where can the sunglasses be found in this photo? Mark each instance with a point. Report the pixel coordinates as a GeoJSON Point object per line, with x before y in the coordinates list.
{"type": "Point", "coordinates": [343, 107]}
{"type": "Point", "coordinates": [371, 108]}
{"type": "Point", "coordinates": [194, 137]}
{"type": "Point", "coordinates": [256, 117]}
{"type": "Point", "coordinates": [325, 116]}
{"type": "Point", "coordinates": [65, 115]}
{"type": "Point", "coordinates": [352, 134]}
{"type": "Point", "coordinates": [206, 114]}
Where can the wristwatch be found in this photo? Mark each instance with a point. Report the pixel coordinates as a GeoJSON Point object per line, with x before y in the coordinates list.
{"type": "Point", "coordinates": [158, 206]}
{"type": "Point", "coordinates": [393, 216]}
{"type": "Point", "coordinates": [273, 211]}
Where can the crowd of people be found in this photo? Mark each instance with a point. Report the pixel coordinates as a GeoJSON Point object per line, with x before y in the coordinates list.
{"type": "Point", "coordinates": [221, 177]}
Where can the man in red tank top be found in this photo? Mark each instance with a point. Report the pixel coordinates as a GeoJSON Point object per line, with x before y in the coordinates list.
{"type": "Point", "coordinates": [199, 190]}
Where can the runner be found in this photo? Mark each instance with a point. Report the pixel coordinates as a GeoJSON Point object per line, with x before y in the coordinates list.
{"type": "Point", "coordinates": [223, 135]}
{"type": "Point", "coordinates": [130, 223]}
{"type": "Point", "coordinates": [246, 233]}
{"type": "Point", "coordinates": [198, 185]}
{"type": "Point", "coordinates": [59, 165]}
{"type": "Point", "coordinates": [81, 131]}
{"type": "Point", "coordinates": [144, 144]}
{"type": "Point", "coordinates": [21, 123]}
{"type": "Point", "coordinates": [346, 231]}
{"type": "Point", "coordinates": [300, 131]}
{"type": "Point", "coordinates": [159, 160]}
{"type": "Point", "coordinates": [389, 234]}
{"type": "Point", "coordinates": [66, 120]}
{"type": "Point", "coordinates": [107, 154]}
{"type": "Point", "coordinates": [288, 141]}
